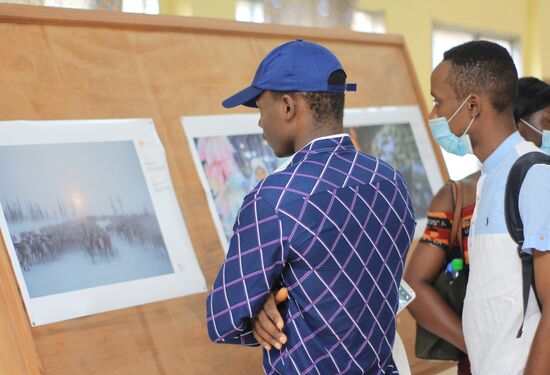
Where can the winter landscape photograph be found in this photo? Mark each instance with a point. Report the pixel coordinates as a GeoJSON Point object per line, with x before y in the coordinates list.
{"type": "Point", "coordinates": [79, 216]}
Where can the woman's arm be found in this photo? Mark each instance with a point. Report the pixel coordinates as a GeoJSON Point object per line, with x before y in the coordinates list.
{"type": "Point", "coordinates": [425, 263]}
{"type": "Point", "coordinates": [428, 308]}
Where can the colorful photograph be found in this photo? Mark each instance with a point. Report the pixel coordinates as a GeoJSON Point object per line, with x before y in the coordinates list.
{"type": "Point", "coordinates": [233, 166]}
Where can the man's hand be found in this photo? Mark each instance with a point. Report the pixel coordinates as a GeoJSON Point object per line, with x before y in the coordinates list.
{"type": "Point", "coordinates": [267, 326]}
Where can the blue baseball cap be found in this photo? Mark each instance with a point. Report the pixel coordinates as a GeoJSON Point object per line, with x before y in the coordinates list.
{"type": "Point", "coordinates": [294, 66]}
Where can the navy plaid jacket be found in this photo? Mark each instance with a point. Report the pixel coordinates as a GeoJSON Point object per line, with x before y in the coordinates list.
{"type": "Point", "coordinates": [333, 227]}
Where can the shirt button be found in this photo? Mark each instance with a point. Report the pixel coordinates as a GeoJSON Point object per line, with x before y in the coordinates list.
{"type": "Point", "coordinates": [541, 237]}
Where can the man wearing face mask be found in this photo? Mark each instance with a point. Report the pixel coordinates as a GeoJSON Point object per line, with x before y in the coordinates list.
{"type": "Point", "coordinates": [474, 90]}
{"type": "Point", "coordinates": [532, 112]}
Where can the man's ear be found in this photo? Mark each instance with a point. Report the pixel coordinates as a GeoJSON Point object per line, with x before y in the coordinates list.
{"type": "Point", "coordinates": [475, 104]}
{"type": "Point", "coordinates": [288, 103]}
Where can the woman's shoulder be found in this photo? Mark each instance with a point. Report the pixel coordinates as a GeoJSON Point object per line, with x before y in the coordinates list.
{"type": "Point", "coordinates": [443, 199]}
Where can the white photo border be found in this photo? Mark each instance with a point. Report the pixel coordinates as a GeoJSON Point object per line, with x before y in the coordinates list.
{"type": "Point", "coordinates": [187, 277]}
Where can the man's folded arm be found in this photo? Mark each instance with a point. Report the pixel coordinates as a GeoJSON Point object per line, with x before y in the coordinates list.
{"type": "Point", "coordinates": [255, 260]}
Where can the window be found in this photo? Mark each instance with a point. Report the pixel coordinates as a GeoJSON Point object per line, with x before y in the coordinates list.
{"type": "Point", "coordinates": [80, 4]}
{"type": "Point", "coordinates": [368, 22]}
{"type": "Point", "coordinates": [141, 6]}
{"type": "Point", "coordinates": [133, 6]}
{"type": "Point", "coordinates": [313, 13]}
{"type": "Point", "coordinates": [444, 39]}
{"type": "Point", "coordinates": [250, 11]}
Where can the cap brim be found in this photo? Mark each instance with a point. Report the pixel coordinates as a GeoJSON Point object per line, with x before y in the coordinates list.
{"type": "Point", "coordinates": [245, 97]}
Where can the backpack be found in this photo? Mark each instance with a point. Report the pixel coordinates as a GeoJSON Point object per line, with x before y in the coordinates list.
{"type": "Point", "coordinates": [515, 225]}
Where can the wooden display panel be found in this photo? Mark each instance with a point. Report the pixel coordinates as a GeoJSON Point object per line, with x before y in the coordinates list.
{"type": "Point", "coordinates": [71, 64]}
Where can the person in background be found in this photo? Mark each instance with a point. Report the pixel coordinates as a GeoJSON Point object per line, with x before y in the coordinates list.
{"type": "Point", "coordinates": [532, 112]}
{"type": "Point", "coordinates": [431, 254]}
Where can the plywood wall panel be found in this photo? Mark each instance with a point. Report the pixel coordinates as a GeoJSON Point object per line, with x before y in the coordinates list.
{"type": "Point", "coordinates": [69, 64]}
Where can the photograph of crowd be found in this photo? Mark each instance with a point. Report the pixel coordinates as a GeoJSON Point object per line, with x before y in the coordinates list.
{"type": "Point", "coordinates": [80, 216]}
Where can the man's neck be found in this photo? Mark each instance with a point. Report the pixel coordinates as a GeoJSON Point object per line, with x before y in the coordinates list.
{"type": "Point", "coordinates": [317, 131]}
{"type": "Point", "coordinates": [493, 136]}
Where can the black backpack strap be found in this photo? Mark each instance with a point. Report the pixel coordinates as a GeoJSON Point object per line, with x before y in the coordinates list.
{"type": "Point", "coordinates": [515, 225]}
{"type": "Point", "coordinates": [528, 281]}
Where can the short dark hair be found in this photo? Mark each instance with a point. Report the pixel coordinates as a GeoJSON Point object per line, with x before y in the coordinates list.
{"type": "Point", "coordinates": [326, 106]}
{"type": "Point", "coordinates": [484, 67]}
{"type": "Point", "coordinates": [533, 95]}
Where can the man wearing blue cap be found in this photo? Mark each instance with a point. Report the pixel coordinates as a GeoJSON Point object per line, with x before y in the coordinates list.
{"type": "Point", "coordinates": [331, 228]}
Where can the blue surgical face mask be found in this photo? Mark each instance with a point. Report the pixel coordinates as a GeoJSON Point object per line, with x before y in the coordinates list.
{"type": "Point", "coordinates": [545, 146]}
{"type": "Point", "coordinates": [446, 139]}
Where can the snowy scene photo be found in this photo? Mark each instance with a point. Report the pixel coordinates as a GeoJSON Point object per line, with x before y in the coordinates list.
{"type": "Point", "coordinates": [80, 216]}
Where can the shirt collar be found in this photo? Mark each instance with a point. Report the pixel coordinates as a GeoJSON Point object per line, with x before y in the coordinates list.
{"type": "Point", "coordinates": [327, 143]}
{"type": "Point", "coordinates": [504, 149]}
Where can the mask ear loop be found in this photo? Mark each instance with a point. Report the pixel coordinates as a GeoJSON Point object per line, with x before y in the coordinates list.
{"type": "Point", "coordinates": [459, 108]}
{"type": "Point", "coordinates": [531, 126]}
{"type": "Point", "coordinates": [469, 125]}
